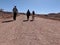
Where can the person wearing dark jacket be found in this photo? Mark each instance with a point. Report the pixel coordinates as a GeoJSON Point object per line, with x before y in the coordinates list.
{"type": "Point", "coordinates": [28, 14]}
{"type": "Point", "coordinates": [33, 15]}
{"type": "Point", "coordinates": [15, 11]}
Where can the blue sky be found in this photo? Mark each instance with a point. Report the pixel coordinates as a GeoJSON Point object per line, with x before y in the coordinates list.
{"type": "Point", "coordinates": [39, 6]}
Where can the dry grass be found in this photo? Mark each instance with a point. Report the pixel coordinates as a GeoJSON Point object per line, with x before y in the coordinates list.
{"type": "Point", "coordinates": [52, 17]}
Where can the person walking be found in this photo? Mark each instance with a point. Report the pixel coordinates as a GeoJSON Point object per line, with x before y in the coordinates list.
{"type": "Point", "coordinates": [33, 15]}
{"type": "Point", "coordinates": [28, 14]}
{"type": "Point", "coordinates": [15, 11]}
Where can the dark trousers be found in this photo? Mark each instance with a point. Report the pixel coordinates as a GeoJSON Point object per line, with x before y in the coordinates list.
{"type": "Point", "coordinates": [14, 16]}
{"type": "Point", "coordinates": [27, 17]}
{"type": "Point", "coordinates": [32, 17]}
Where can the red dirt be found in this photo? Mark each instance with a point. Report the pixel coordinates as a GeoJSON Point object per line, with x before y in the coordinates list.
{"type": "Point", "coordinates": [39, 32]}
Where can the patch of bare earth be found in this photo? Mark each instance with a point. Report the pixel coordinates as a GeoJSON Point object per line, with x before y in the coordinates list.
{"type": "Point", "coordinates": [39, 32]}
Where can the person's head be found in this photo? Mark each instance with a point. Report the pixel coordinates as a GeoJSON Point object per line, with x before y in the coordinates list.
{"type": "Point", "coordinates": [28, 9]}
{"type": "Point", "coordinates": [14, 6]}
{"type": "Point", "coordinates": [33, 11]}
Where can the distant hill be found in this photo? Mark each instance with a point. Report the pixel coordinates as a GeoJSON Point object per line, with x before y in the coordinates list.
{"type": "Point", "coordinates": [4, 14]}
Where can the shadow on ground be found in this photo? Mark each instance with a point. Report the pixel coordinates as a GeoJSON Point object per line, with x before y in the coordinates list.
{"type": "Point", "coordinates": [25, 20]}
{"type": "Point", "coordinates": [31, 20]}
{"type": "Point", "coordinates": [7, 21]}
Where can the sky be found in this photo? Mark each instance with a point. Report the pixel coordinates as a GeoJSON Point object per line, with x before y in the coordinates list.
{"type": "Point", "coordinates": [39, 6]}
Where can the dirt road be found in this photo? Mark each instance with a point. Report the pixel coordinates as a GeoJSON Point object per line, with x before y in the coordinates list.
{"type": "Point", "coordinates": [39, 32]}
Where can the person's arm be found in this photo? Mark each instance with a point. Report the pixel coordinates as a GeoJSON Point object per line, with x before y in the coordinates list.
{"type": "Point", "coordinates": [17, 11]}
